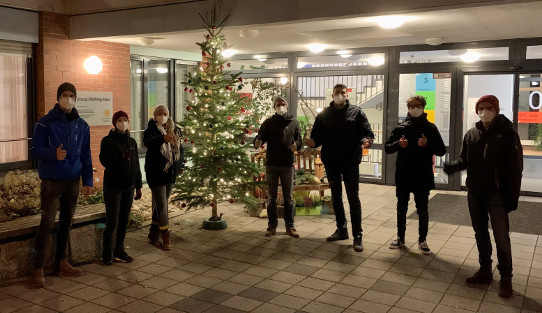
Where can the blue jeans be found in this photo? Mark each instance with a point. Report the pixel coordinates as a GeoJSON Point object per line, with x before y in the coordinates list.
{"type": "Point", "coordinates": [118, 204]}
{"type": "Point", "coordinates": [286, 175]}
{"type": "Point", "coordinates": [52, 195]}
{"type": "Point", "coordinates": [160, 198]}
{"type": "Point", "coordinates": [480, 205]}
{"type": "Point", "coordinates": [421, 197]}
{"type": "Point", "coordinates": [350, 176]}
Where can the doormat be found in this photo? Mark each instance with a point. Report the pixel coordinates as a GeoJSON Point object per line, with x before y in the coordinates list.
{"type": "Point", "coordinates": [454, 209]}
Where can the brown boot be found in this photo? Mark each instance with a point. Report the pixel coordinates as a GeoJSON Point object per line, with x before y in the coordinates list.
{"type": "Point", "coordinates": [37, 280]}
{"type": "Point", "coordinates": [66, 270]}
{"type": "Point", "coordinates": [505, 288]}
{"type": "Point", "coordinates": [154, 235]}
{"type": "Point", "coordinates": [482, 276]}
{"type": "Point", "coordinates": [165, 238]}
{"type": "Point", "coordinates": [292, 232]}
{"type": "Point", "coordinates": [270, 232]}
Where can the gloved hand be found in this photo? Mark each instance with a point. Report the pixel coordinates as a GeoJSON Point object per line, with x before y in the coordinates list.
{"type": "Point", "coordinates": [510, 202]}
{"type": "Point", "coordinates": [448, 168]}
{"type": "Point", "coordinates": [257, 143]}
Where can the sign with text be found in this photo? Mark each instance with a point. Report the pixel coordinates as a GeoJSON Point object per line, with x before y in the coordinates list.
{"type": "Point", "coordinates": [95, 107]}
{"type": "Point", "coordinates": [530, 117]}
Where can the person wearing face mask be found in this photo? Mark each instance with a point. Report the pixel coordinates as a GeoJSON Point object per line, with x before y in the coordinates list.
{"type": "Point", "coordinates": [493, 157]}
{"type": "Point", "coordinates": [415, 140]}
{"type": "Point", "coordinates": [163, 162]}
{"type": "Point", "coordinates": [61, 144]}
{"type": "Point", "coordinates": [283, 136]}
{"type": "Point", "coordinates": [342, 129]}
{"type": "Point", "coordinates": [122, 176]}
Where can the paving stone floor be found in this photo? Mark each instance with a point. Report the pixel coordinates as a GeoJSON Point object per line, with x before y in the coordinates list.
{"type": "Point", "coordinates": [240, 270]}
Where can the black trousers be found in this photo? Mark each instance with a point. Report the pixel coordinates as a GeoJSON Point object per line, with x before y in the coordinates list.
{"type": "Point", "coordinates": [421, 198]}
{"type": "Point", "coordinates": [118, 204]}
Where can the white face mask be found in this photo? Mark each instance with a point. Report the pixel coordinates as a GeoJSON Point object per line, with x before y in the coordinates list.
{"type": "Point", "coordinates": [161, 119]}
{"type": "Point", "coordinates": [66, 103]}
{"type": "Point", "coordinates": [339, 99]}
{"type": "Point", "coordinates": [281, 109]}
{"type": "Point", "coordinates": [122, 126]}
{"type": "Point", "coordinates": [486, 116]}
{"type": "Point", "coordinates": [415, 112]}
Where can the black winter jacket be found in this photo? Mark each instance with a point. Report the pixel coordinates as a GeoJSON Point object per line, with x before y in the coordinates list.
{"type": "Point", "coordinates": [340, 132]}
{"type": "Point", "coordinates": [414, 165]}
{"type": "Point", "coordinates": [118, 154]}
{"type": "Point", "coordinates": [280, 132]}
{"type": "Point", "coordinates": [493, 159]}
{"type": "Point", "coordinates": [155, 161]}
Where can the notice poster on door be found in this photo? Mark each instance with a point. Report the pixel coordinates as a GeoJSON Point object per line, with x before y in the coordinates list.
{"type": "Point", "coordinates": [95, 107]}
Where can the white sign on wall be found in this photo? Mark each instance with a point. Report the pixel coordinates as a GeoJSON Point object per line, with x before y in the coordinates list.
{"type": "Point", "coordinates": [95, 107]}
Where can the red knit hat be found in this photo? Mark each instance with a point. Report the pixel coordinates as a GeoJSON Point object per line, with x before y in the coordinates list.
{"type": "Point", "coordinates": [118, 115]}
{"type": "Point", "coordinates": [491, 99]}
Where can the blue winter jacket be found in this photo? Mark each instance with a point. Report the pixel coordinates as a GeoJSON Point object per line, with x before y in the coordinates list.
{"type": "Point", "coordinates": [51, 131]}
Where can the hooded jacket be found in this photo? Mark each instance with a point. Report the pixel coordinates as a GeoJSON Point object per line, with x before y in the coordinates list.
{"type": "Point", "coordinates": [280, 131]}
{"type": "Point", "coordinates": [155, 161]}
{"type": "Point", "coordinates": [60, 128]}
{"type": "Point", "coordinates": [493, 159]}
{"type": "Point", "coordinates": [414, 165]}
{"type": "Point", "coordinates": [340, 132]}
{"type": "Point", "coordinates": [118, 154]}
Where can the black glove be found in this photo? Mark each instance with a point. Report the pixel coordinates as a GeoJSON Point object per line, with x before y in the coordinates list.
{"type": "Point", "coordinates": [449, 169]}
{"type": "Point", "coordinates": [510, 203]}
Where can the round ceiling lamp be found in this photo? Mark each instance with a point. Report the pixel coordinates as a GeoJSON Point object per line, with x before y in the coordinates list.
{"type": "Point", "coordinates": [249, 33]}
{"type": "Point", "coordinates": [93, 65]}
{"type": "Point", "coordinates": [145, 41]}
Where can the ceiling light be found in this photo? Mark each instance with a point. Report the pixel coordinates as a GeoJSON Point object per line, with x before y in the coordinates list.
{"type": "Point", "coordinates": [301, 64]}
{"type": "Point", "coordinates": [391, 21]}
{"type": "Point", "coordinates": [317, 48]}
{"type": "Point", "coordinates": [228, 53]}
{"type": "Point", "coordinates": [345, 55]}
{"type": "Point", "coordinates": [145, 41]}
{"type": "Point", "coordinates": [376, 61]}
{"type": "Point", "coordinates": [470, 56]}
{"type": "Point", "coordinates": [249, 33]}
{"type": "Point", "coordinates": [283, 80]}
{"type": "Point", "coordinates": [261, 59]}
{"type": "Point", "coordinates": [434, 41]}
{"type": "Point", "coordinates": [161, 70]}
{"type": "Point", "coordinates": [93, 65]}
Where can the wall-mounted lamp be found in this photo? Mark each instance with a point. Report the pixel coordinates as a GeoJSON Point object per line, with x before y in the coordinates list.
{"type": "Point", "coordinates": [93, 65]}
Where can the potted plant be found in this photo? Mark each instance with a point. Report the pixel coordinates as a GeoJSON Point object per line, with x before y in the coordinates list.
{"type": "Point", "coordinates": [307, 203]}
{"type": "Point", "coordinates": [327, 205]}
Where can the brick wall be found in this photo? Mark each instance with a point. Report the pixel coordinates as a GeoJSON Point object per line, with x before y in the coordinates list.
{"type": "Point", "coordinates": [59, 60]}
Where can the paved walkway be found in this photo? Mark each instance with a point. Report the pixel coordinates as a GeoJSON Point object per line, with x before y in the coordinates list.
{"type": "Point", "coordinates": [240, 270]}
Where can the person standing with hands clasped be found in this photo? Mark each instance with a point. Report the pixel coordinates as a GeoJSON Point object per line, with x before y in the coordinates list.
{"type": "Point", "coordinates": [342, 129]}
{"type": "Point", "coordinates": [415, 140]}
{"type": "Point", "coordinates": [61, 144]}
{"type": "Point", "coordinates": [163, 162]}
{"type": "Point", "coordinates": [283, 137]}
{"type": "Point", "coordinates": [118, 154]}
{"type": "Point", "coordinates": [493, 157]}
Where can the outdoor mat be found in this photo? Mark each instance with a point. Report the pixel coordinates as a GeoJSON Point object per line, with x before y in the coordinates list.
{"type": "Point", "coordinates": [454, 209]}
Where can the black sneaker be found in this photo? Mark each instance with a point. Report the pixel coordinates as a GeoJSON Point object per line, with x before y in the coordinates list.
{"type": "Point", "coordinates": [339, 234]}
{"type": "Point", "coordinates": [358, 245]}
{"type": "Point", "coordinates": [397, 243]}
{"type": "Point", "coordinates": [107, 262]}
{"type": "Point", "coordinates": [123, 258]}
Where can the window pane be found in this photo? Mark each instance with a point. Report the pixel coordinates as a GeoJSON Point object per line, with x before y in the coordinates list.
{"type": "Point", "coordinates": [137, 119]}
{"type": "Point", "coordinates": [534, 52]}
{"type": "Point", "coordinates": [13, 116]}
{"type": "Point", "coordinates": [457, 55]}
{"type": "Point", "coordinates": [158, 85]}
{"type": "Point", "coordinates": [342, 60]}
{"type": "Point", "coordinates": [181, 97]}
{"type": "Point", "coordinates": [259, 64]}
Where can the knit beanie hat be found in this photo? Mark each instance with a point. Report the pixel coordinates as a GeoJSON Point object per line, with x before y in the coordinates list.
{"type": "Point", "coordinates": [65, 87]}
{"type": "Point", "coordinates": [278, 98]}
{"type": "Point", "coordinates": [118, 115]}
{"type": "Point", "coordinates": [491, 99]}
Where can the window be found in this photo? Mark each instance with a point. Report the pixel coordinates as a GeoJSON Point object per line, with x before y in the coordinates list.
{"type": "Point", "coordinates": [344, 59]}
{"type": "Point", "coordinates": [259, 63]}
{"type": "Point", "coordinates": [456, 55]}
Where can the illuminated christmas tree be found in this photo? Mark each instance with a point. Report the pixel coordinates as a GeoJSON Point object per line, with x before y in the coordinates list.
{"type": "Point", "coordinates": [217, 121]}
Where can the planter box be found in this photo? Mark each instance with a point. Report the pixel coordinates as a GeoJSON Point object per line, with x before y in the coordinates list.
{"type": "Point", "coordinates": [313, 210]}
{"type": "Point", "coordinates": [327, 207]}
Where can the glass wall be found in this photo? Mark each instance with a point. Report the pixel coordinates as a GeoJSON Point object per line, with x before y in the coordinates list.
{"type": "Point", "coordinates": [366, 91]}
{"type": "Point", "coordinates": [137, 117]}
{"type": "Point", "coordinates": [181, 97]}
{"type": "Point", "coordinates": [14, 117]}
{"type": "Point", "coordinates": [158, 85]}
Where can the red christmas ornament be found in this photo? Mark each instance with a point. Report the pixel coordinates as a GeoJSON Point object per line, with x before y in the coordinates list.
{"type": "Point", "coordinates": [191, 91]}
{"type": "Point", "coordinates": [219, 170]}
{"type": "Point", "coordinates": [214, 82]}
{"type": "Point", "coordinates": [208, 63]}
{"type": "Point", "coordinates": [245, 130]}
{"type": "Point", "coordinates": [185, 88]}
{"type": "Point", "coordinates": [188, 108]}
{"type": "Point", "coordinates": [203, 53]}
{"type": "Point", "coordinates": [250, 132]}
{"type": "Point", "coordinates": [213, 27]}
{"type": "Point", "coordinates": [243, 110]}
{"type": "Point", "coordinates": [212, 204]}
{"type": "Point", "coordinates": [221, 67]}
{"type": "Point", "coordinates": [254, 177]}
{"type": "Point", "coordinates": [242, 142]}
{"type": "Point", "coordinates": [240, 79]}
{"type": "Point", "coordinates": [229, 118]}
{"type": "Point", "coordinates": [192, 141]}
{"type": "Point", "coordinates": [183, 205]}
{"type": "Point", "coordinates": [229, 64]}
{"type": "Point", "coordinates": [262, 146]}
{"type": "Point", "coordinates": [208, 37]}
{"type": "Point", "coordinates": [184, 161]}
{"type": "Point", "coordinates": [185, 139]}
{"type": "Point", "coordinates": [202, 166]}
{"type": "Point", "coordinates": [231, 200]}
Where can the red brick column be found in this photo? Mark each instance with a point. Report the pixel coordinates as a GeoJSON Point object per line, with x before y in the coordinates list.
{"type": "Point", "coordinates": [59, 60]}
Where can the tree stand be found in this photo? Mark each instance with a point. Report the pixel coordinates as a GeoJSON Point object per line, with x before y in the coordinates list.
{"type": "Point", "coordinates": [214, 222]}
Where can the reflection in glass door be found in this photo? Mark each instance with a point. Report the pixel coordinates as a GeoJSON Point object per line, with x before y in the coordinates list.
{"type": "Point", "coordinates": [530, 130]}
{"type": "Point", "coordinates": [436, 89]}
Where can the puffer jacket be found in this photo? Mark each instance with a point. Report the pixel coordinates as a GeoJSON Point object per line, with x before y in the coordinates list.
{"type": "Point", "coordinates": [493, 159]}
{"type": "Point", "coordinates": [340, 132]}
{"type": "Point", "coordinates": [280, 132]}
{"type": "Point", "coordinates": [155, 161]}
{"type": "Point", "coordinates": [414, 165]}
{"type": "Point", "coordinates": [60, 128]}
{"type": "Point", "coordinates": [118, 154]}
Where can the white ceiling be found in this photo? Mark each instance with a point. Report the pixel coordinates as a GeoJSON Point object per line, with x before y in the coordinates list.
{"type": "Point", "coordinates": [519, 20]}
